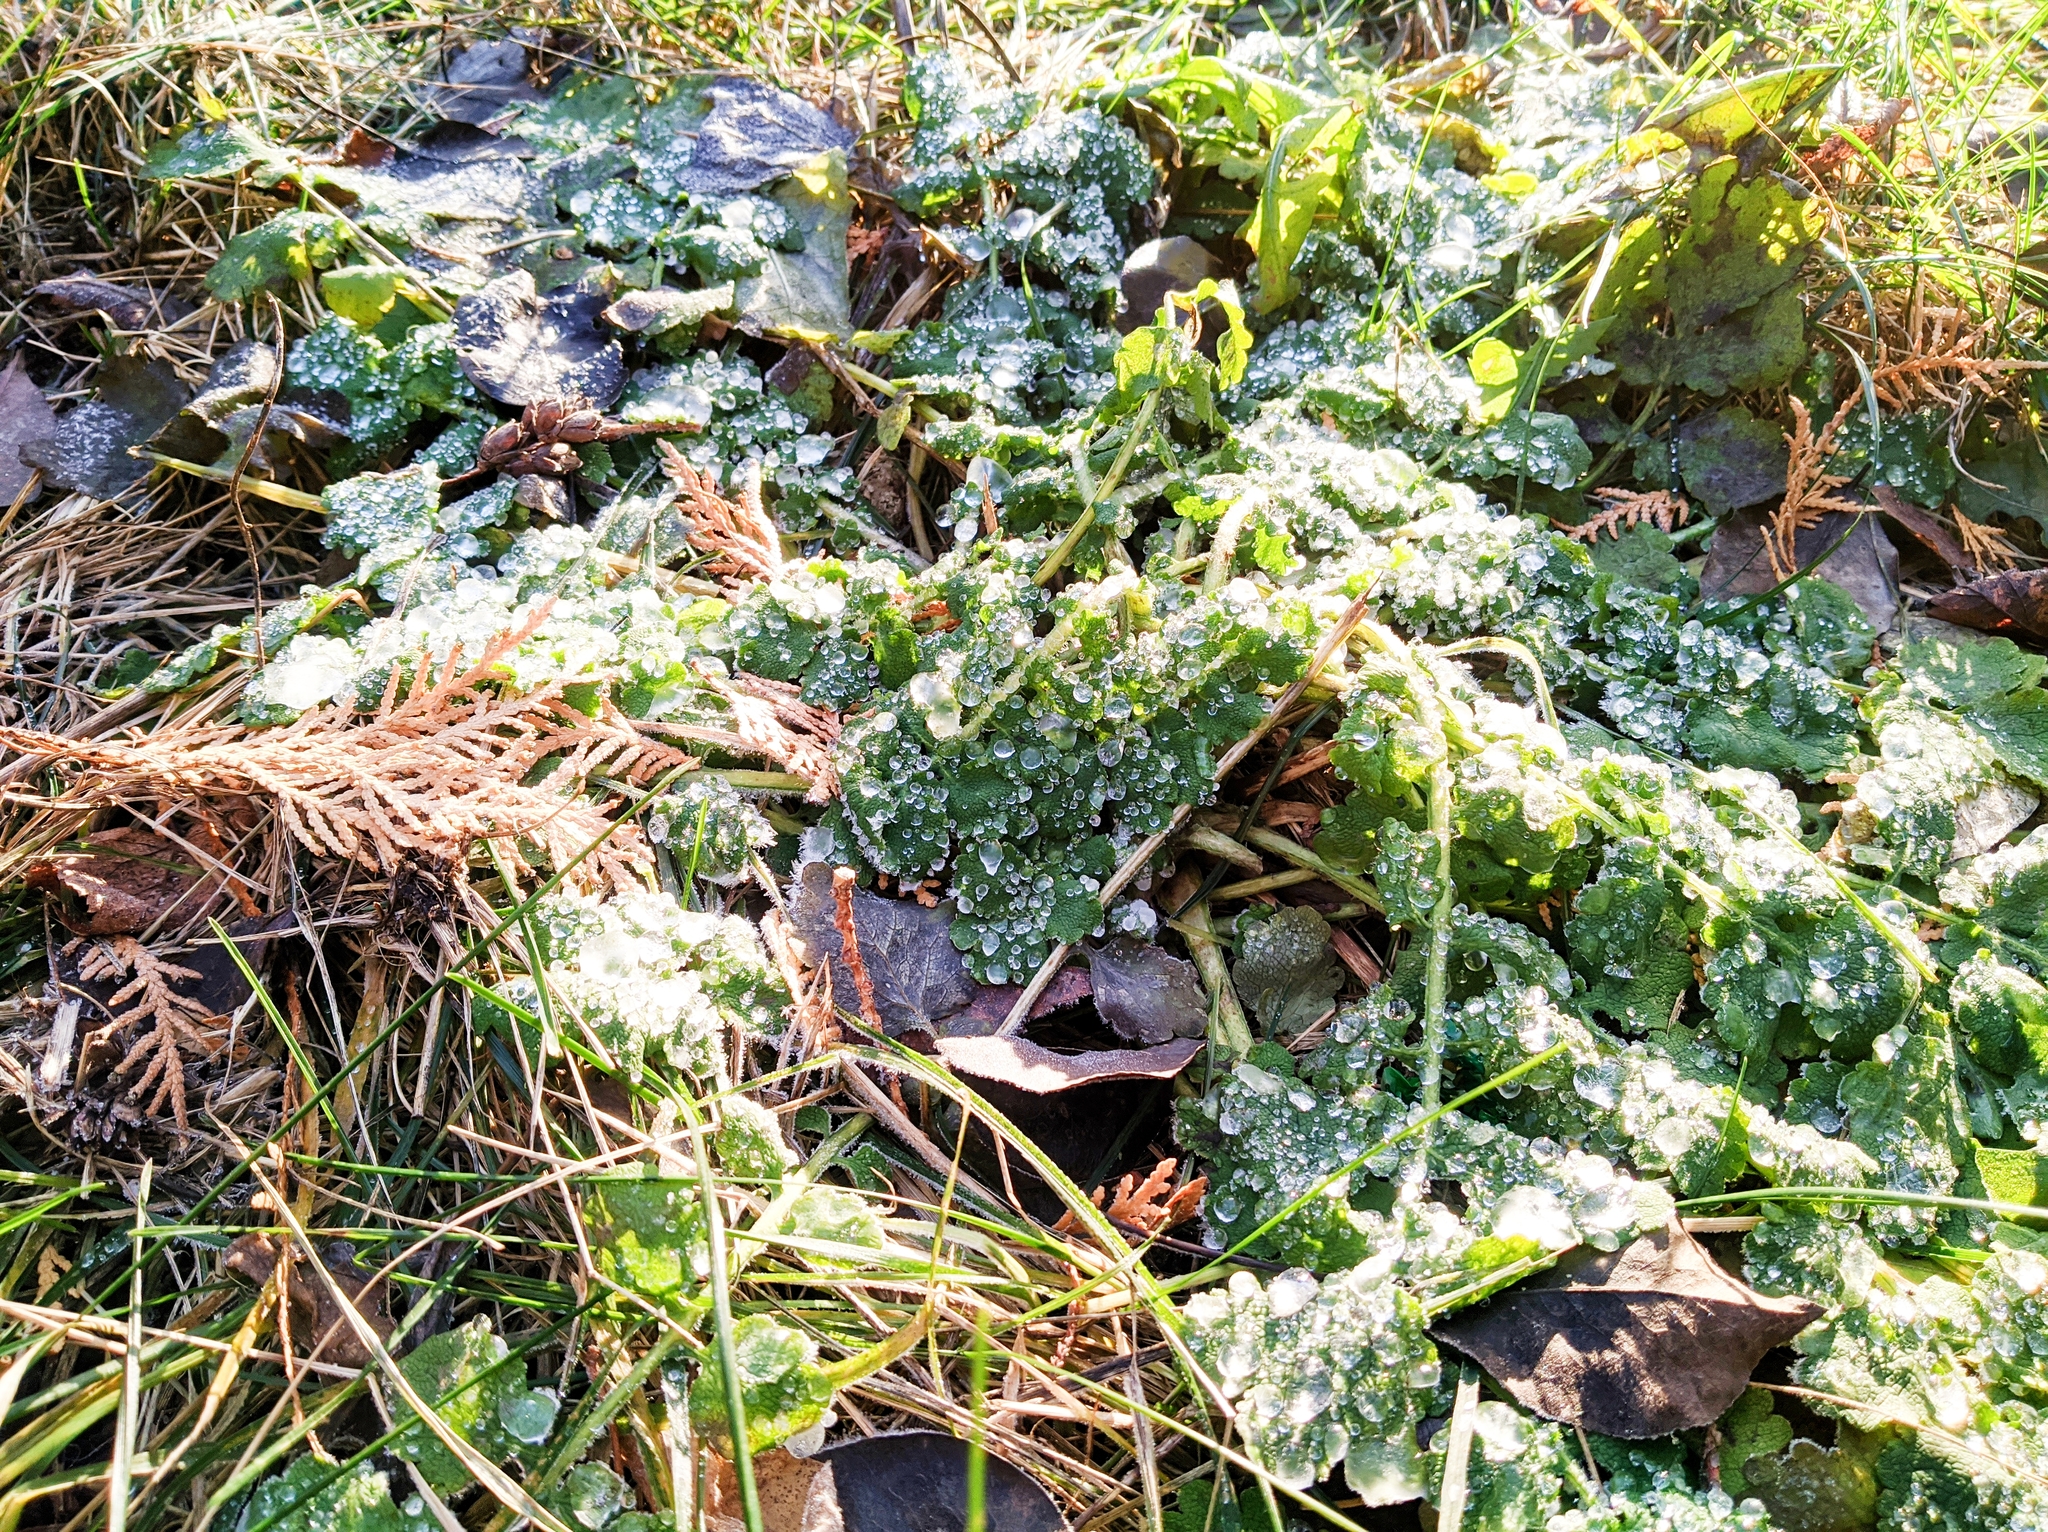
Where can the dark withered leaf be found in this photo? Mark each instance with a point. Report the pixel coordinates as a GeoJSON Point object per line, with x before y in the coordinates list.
{"type": "Point", "coordinates": [89, 449]}
{"type": "Point", "coordinates": [521, 348]}
{"type": "Point", "coordinates": [1018, 1062]}
{"type": "Point", "coordinates": [1146, 995]}
{"type": "Point", "coordinates": [130, 308]}
{"type": "Point", "coordinates": [25, 416]}
{"type": "Point", "coordinates": [1865, 564]}
{"type": "Point", "coordinates": [1633, 1343]}
{"type": "Point", "coordinates": [755, 134]}
{"type": "Point", "coordinates": [318, 1319]}
{"type": "Point", "coordinates": [992, 1003]}
{"type": "Point", "coordinates": [905, 1481]}
{"type": "Point", "coordinates": [907, 949]}
{"type": "Point", "coordinates": [1285, 971]}
{"type": "Point", "coordinates": [1729, 459]}
{"type": "Point", "coordinates": [2014, 603]}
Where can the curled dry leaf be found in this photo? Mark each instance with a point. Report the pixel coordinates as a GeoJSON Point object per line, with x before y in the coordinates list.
{"type": "Point", "coordinates": [2014, 603]}
{"type": "Point", "coordinates": [130, 308]}
{"type": "Point", "coordinates": [314, 1313]}
{"type": "Point", "coordinates": [1023, 1064]}
{"type": "Point", "coordinates": [123, 882]}
{"type": "Point", "coordinates": [1637, 1342]}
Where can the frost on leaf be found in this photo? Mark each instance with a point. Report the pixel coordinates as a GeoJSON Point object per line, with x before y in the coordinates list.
{"type": "Point", "coordinates": [478, 1388]}
{"type": "Point", "coordinates": [1337, 1371]}
{"type": "Point", "coordinates": [782, 1387]}
{"type": "Point", "coordinates": [521, 348]}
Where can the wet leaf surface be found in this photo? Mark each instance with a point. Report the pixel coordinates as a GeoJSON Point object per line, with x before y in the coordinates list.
{"type": "Point", "coordinates": [521, 348]}
{"type": "Point", "coordinates": [1146, 994]}
{"type": "Point", "coordinates": [1652, 1338]}
{"type": "Point", "coordinates": [1285, 972]}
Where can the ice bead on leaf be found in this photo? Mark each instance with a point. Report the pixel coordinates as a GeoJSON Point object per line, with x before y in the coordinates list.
{"type": "Point", "coordinates": [479, 1389]}
{"type": "Point", "coordinates": [783, 1388]}
{"type": "Point", "coordinates": [710, 828]}
{"type": "Point", "coordinates": [1321, 1370]}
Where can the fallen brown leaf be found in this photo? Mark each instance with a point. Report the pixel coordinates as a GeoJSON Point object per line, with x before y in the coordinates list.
{"type": "Point", "coordinates": [314, 1312]}
{"type": "Point", "coordinates": [2012, 602]}
{"type": "Point", "coordinates": [1638, 1342]}
{"type": "Point", "coordinates": [1933, 534]}
{"type": "Point", "coordinates": [1023, 1064]}
{"type": "Point", "coordinates": [122, 883]}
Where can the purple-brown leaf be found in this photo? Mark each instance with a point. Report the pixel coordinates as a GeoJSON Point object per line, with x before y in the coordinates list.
{"type": "Point", "coordinates": [1637, 1342]}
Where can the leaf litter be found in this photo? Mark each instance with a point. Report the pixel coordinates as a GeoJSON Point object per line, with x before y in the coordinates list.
{"type": "Point", "coordinates": [745, 590]}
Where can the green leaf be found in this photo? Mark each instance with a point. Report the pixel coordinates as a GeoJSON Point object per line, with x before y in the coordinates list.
{"type": "Point", "coordinates": [382, 510]}
{"type": "Point", "coordinates": [1962, 669]}
{"type": "Point", "coordinates": [289, 248]}
{"type": "Point", "coordinates": [805, 290]}
{"type": "Point", "coordinates": [217, 150]}
{"type": "Point", "coordinates": [2016, 729]}
{"type": "Point", "coordinates": [783, 1388]}
{"type": "Point", "coordinates": [1285, 971]}
{"type": "Point", "coordinates": [359, 1500]}
{"type": "Point", "coordinates": [1497, 369]}
{"type": "Point", "coordinates": [1745, 242]}
{"type": "Point", "coordinates": [647, 1233]}
{"type": "Point", "coordinates": [1727, 286]}
{"type": "Point", "coordinates": [472, 1382]}
{"type": "Point", "coordinates": [2014, 1175]}
{"type": "Point", "coordinates": [2003, 1013]}
{"type": "Point", "coordinates": [1718, 114]}
{"type": "Point", "coordinates": [360, 294]}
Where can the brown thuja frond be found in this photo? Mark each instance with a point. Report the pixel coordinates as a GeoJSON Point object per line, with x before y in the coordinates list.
{"type": "Point", "coordinates": [177, 1021]}
{"type": "Point", "coordinates": [1809, 488]}
{"type": "Point", "coordinates": [1630, 507]}
{"type": "Point", "coordinates": [746, 544]}
{"type": "Point", "coordinates": [440, 765]}
{"type": "Point", "coordinates": [1988, 547]}
{"type": "Point", "coordinates": [1936, 354]}
{"type": "Point", "coordinates": [771, 719]}
{"type": "Point", "coordinates": [1153, 1205]}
